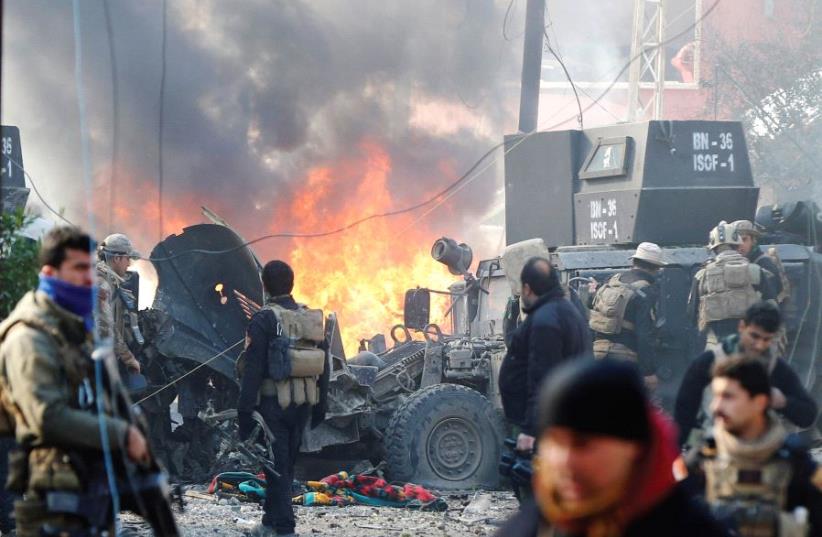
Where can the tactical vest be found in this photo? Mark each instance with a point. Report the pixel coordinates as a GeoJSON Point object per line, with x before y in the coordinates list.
{"type": "Point", "coordinates": [49, 468]}
{"type": "Point", "coordinates": [753, 496]}
{"type": "Point", "coordinates": [785, 293]}
{"type": "Point", "coordinates": [610, 303]}
{"type": "Point", "coordinates": [295, 359]}
{"type": "Point", "coordinates": [726, 289]}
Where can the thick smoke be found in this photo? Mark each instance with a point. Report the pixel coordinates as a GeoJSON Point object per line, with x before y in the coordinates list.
{"type": "Point", "coordinates": [257, 92]}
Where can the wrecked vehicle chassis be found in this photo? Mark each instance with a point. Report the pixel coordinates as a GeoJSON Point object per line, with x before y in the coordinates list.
{"type": "Point", "coordinates": [428, 409]}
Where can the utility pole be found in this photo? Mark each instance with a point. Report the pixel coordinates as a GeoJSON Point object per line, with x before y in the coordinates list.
{"type": "Point", "coordinates": [531, 66]}
{"type": "Point", "coordinates": [649, 66]}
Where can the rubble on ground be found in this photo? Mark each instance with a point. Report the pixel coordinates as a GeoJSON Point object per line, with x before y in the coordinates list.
{"type": "Point", "coordinates": [228, 516]}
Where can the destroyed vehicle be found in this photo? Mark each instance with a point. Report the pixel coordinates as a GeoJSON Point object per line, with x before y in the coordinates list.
{"type": "Point", "coordinates": [429, 408]}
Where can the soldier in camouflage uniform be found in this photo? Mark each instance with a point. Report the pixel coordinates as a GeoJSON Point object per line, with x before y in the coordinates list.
{"type": "Point", "coordinates": [47, 394]}
{"type": "Point", "coordinates": [623, 313]}
{"type": "Point", "coordinates": [116, 303]}
{"type": "Point", "coordinates": [726, 286]}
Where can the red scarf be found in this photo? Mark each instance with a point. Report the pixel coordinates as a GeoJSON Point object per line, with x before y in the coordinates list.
{"type": "Point", "coordinates": [613, 510]}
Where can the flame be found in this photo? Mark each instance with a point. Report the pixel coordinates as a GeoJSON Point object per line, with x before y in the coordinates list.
{"type": "Point", "coordinates": [360, 274]}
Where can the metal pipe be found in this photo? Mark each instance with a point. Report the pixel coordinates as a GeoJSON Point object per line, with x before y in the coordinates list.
{"type": "Point", "coordinates": [531, 65]}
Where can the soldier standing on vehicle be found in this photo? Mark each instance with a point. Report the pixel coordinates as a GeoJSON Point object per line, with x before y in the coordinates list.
{"type": "Point", "coordinates": [726, 286]}
{"type": "Point", "coordinates": [117, 304]}
{"type": "Point", "coordinates": [604, 461]}
{"type": "Point", "coordinates": [623, 313]}
{"type": "Point", "coordinates": [754, 338]}
{"type": "Point", "coordinates": [756, 477]}
{"type": "Point", "coordinates": [553, 332]}
{"type": "Point", "coordinates": [282, 365]}
{"type": "Point", "coordinates": [46, 382]}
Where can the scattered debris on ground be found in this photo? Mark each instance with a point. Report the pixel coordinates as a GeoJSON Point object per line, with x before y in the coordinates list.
{"type": "Point", "coordinates": [218, 514]}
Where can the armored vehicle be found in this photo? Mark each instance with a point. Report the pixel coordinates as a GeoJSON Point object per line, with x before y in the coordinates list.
{"type": "Point", "coordinates": [593, 195]}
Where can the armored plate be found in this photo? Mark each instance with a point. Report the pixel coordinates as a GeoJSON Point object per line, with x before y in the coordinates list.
{"type": "Point", "coordinates": [197, 291]}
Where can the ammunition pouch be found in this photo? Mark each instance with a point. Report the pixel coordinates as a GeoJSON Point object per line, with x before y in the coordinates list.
{"type": "Point", "coordinates": [610, 303]}
{"type": "Point", "coordinates": [295, 390]}
{"type": "Point", "coordinates": [752, 498]}
{"type": "Point", "coordinates": [51, 469]}
{"type": "Point", "coordinates": [295, 361]}
{"type": "Point", "coordinates": [726, 290]}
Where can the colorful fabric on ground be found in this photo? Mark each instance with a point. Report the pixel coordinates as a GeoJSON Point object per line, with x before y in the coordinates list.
{"type": "Point", "coordinates": [231, 481]}
{"type": "Point", "coordinates": [338, 489]}
{"type": "Point", "coordinates": [342, 489]}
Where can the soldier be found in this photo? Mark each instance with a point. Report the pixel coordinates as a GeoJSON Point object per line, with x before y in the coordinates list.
{"type": "Point", "coordinates": [755, 334]}
{"type": "Point", "coordinates": [755, 476]}
{"type": "Point", "coordinates": [769, 261]}
{"type": "Point", "coordinates": [726, 286]}
{"type": "Point", "coordinates": [604, 461]}
{"type": "Point", "coordinates": [623, 313]}
{"type": "Point", "coordinates": [279, 378]}
{"type": "Point", "coordinates": [117, 304]}
{"type": "Point", "coordinates": [46, 383]}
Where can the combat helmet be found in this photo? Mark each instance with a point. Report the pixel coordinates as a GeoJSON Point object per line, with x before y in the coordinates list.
{"type": "Point", "coordinates": [746, 227]}
{"type": "Point", "coordinates": [724, 234]}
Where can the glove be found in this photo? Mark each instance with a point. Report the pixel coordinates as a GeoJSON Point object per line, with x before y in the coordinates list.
{"type": "Point", "coordinates": [246, 423]}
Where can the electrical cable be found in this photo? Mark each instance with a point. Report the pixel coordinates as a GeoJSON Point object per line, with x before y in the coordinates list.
{"type": "Point", "coordinates": [161, 124]}
{"type": "Point", "coordinates": [181, 377]}
{"type": "Point", "coordinates": [338, 230]}
{"type": "Point", "coordinates": [636, 57]}
{"type": "Point", "coordinates": [567, 75]}
{"type": "Point", "coordinates": [115, 113]}
{"type": "Point", "coordinates": [36, 191]}
{"type": "Point", "coordinates": [98, 363]}
{"type": "Point", "coordinates": [505, 20]}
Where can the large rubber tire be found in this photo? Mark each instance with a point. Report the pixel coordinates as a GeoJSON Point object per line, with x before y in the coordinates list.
{"type": "Point", "coordinates": [445, 437]}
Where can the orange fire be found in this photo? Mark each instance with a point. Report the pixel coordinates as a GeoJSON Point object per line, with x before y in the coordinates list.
{"type": "Point", "coordinates": [361, 274]}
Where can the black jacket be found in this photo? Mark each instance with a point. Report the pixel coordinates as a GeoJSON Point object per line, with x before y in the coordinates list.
{"type": "Point", "coordinates": [676, 516]}
{"type": "Point", "coordinates": [553, 332]}
{"type": "Point", "coordinates": [803, 490]}
{"type": "Point", "coordinates": [800, 408]}
{"type": "Point", "coordinates": [756, 255]}
{"type": "Point", "coordinates": [640, 312]}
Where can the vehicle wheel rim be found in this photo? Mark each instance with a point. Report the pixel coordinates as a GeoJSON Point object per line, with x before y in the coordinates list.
{"type": "Point", "coordinates": [454, 449]}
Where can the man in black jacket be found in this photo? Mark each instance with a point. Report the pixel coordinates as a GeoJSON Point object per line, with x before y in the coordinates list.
{"type": "Point", "coordinates": [754, 340]}
{"type": "Point", "coordinates": [605, 461]}
{"type": "Point", "coordinates": [286, 424]}
{"type": "Point", "coordinates": [553, 332]}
